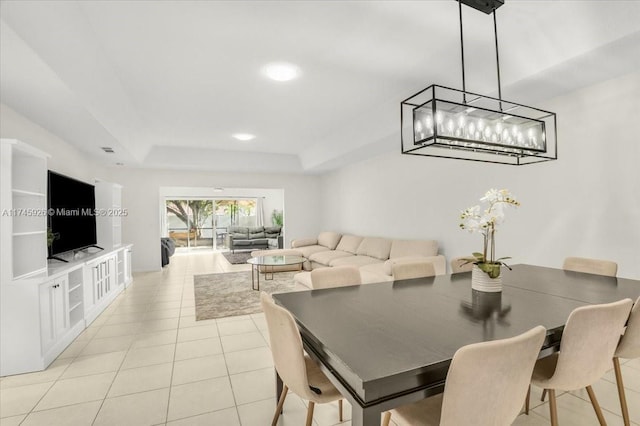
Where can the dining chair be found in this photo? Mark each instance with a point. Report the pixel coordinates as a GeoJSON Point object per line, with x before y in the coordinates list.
{"type": "Point", "coordinates": [458, 265]}
{"type": "Point", "coordinates": [588, 266]}
{"type": "Point", "coordinates": [336, 276]}
{"type": "Point", "coordinates": [591, 266]}
{"type": "Point", "coordinates": [411, 270]}
{"type": "Point", "coordinates": [628, 348]}
{"type": "Point", "coordinates": [298, 372]}
{"type": "Point", "coordinates": [589, 340]}
{"type": "Point", "coordinates": [486, 384]}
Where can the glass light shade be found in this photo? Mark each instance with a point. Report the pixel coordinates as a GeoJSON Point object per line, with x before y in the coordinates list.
{"type": "Point", "coordinates": [469, 126]}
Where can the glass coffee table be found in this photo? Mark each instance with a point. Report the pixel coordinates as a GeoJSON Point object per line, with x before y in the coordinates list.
{"type": "Point", "coordinates": [269, 262]}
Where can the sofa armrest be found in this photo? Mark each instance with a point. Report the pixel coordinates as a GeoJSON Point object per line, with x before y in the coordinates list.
{"type": "Point", "coordinates": [439, 263]}
{"type": "Point", "coordinates": [302, 242]}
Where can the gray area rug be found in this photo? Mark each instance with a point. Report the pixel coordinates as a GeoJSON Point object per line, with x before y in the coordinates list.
{"type": "Point", "coordinates": [230, 294]}
{"type": "Point", "coordinates": [237, 258]}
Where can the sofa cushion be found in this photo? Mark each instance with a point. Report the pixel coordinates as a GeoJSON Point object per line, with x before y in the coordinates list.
{"type": "Point", "coordinates": [355, 261]}
{"type": "Point", "coordinates": [307, 251]}
{"type": "Point", "coordinates": [241, 243]}
{"type": "Point", "coordinates": [371, 277]}
{"type": "Point", "coordinates": [329, 239]}
{"type": "Point", "coordinates": [439, 263]}
{"type": "Point", "coordinates": [272, 231]}
{"type": "Point", "coordinates": [303, 278]}
{"type": "Point", "coordinates": [375, 247]}
{"type": "Point", "coordinates": [257, 232]}
{"type": "Point", "coordinates": [402, 248]}
{"type": "Point", "coordinates": [260, 242]}
{"type": "Point", "coordinates": [325, 257]}
{"type": "Point", "coordinates": [239, 232]}
{"type": "Point", "coordinates": [374, 268]}
{"type": "Point", "coordinates": [349, 243]}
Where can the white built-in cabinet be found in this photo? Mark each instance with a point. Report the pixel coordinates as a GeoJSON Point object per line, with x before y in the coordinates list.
{"type": "Point", "coordinates": [46, 305]}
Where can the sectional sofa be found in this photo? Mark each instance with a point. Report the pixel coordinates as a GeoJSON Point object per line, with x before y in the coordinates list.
{"type": "Point", "coordinates": [372, 255]}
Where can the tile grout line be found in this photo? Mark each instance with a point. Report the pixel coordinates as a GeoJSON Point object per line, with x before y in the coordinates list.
{"type": "Point", "coordinates": [173, 365]}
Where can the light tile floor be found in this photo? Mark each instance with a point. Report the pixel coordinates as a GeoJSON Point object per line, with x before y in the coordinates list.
{"type": "Point", "coordinates": [146, 361]}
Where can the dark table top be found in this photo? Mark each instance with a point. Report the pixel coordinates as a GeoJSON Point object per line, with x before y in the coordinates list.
{"type": "Point", "coordinates": [383, 339]}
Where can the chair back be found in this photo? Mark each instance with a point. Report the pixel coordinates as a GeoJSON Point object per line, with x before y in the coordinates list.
{"type": "Point", "coordinates": [338, 276]}
{"type": "Point", "coordinates": [411, 270]}
{"type": "Point", "coordinates": [591, 266]}
{"type": "Point", "coordinates": [286, 345]}
{"type": "Point", "coordinates": [589, 340]}
{"type": "Point", "coordinates": [487, 382]}
{"type": "Point", "coordinates": [458, 265]}
{"type": "Point", "coordinates": [629, 346]}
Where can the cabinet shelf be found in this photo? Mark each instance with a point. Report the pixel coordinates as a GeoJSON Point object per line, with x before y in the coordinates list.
{"type": "Point", "coordinates": [75, 287]}
{"type": "Point", "coordinates": [21, 234]}
{"type": "Point", "coordinates": [30, 193]}
{"type": "Point", "coordinates": [74, 307]}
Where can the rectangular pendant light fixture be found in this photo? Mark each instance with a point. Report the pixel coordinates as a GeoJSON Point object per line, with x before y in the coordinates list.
{"type": "Point", "coordinates": [444, 122]}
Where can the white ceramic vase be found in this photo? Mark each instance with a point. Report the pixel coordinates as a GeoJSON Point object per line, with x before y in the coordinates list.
{"type": "Point", "coordinates": [482, 282]}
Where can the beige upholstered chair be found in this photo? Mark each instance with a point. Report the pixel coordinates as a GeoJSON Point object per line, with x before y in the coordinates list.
{"type": "Point", "coordinates": [589, 341]}
{"type": "Point", "coordinates": [591, 266]}
{"type": "Point", "coordinates": [337, 276]}
{"type": "Point", "coordinates": [628, 348]}
{"type": "Point", "coordinates": [297, 371]}
{"type": "Point", "coordinates": [457, 265]}
{"type": "Point", "coordinates": [486, 385]}
{"type": "Point", "coordinates": [410, 270]}
{"type": "Point", "coordinates": [588, 266]}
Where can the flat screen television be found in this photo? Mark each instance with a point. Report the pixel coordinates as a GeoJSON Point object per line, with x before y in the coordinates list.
{"type": "Point", "coordinates": [71, 205]}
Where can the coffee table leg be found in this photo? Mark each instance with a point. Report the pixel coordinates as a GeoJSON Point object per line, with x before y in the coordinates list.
{"type": "Point", "coordinates": [255, 277]}
{"type": "Point", "coordinates": [266, 272]}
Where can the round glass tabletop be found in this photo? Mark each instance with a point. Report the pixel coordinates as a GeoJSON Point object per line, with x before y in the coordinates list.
{"type": "Point", "coordinates": [275, 260]}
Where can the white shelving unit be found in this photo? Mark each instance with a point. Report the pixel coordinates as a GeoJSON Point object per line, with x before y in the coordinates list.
{"type": "Point", "coordinates": [24, 202]}
{"type": "Point", "coordinates": [45, 306]}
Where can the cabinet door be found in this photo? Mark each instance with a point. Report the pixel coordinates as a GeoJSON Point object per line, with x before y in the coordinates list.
{"type": "Point", "coordinates": [60, 308]}
{"type": "Point", "coordinates": [47, 315]}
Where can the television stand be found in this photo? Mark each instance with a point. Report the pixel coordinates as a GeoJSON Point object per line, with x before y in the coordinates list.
{"type": "Point", "coordinates": [57, 258]}
{"type": "Point", "coordinates": [95, 246]}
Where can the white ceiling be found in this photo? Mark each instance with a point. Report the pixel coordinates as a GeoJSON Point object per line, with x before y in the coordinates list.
{"type": "Point", "coordinates": [166, 83]}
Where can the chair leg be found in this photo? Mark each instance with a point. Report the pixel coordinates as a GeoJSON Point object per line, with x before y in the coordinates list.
{"type": "Point", "coordinates": [386, 419]}
{"type": "Point", "coordinates": [544, 393]}
{"type": "Point", "coordinates": [283, 395]}
{"type": "Point", "coordinates": [553, 409]}
{"type": "Point", "coordinates": [526, 401]}
{"type": "Point", "coordinates": [596, 406]}
{"type": "Point", "coordinates": [623, 398]}
{"type": "Point", "coordinates": [310, 413]}
{"type": "Point", "coordinates": [340, 409]}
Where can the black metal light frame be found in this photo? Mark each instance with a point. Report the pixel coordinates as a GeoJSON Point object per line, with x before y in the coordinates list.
{"type": "Point", "coordinates": [500, 117]}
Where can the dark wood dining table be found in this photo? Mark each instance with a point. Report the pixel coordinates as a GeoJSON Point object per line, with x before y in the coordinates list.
{"type": "Point", "coordinates": [388, 344]}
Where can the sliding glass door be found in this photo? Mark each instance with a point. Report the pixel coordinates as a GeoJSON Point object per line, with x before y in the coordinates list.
{"type": "Point", "coordinates": [204, 223]}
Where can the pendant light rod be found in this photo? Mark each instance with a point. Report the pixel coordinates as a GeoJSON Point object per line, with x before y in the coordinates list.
{"type": "Point", "coordinates": [464, 89]}
{"type": "Point", "coordinates": [495, 32]}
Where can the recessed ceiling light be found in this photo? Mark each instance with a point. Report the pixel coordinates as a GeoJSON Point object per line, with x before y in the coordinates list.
{"type": "Point", "coordinates": [281, 71]}
{"type": "Point", "coordinates": [244, 136]}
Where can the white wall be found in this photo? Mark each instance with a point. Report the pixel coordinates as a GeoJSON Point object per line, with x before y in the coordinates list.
{"type": "Point", "coordinates": [141, 195]}
{"type": "Point", "coordinates": [65, 159]}
{"type": "Point", "coordinates": [587, 203]}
